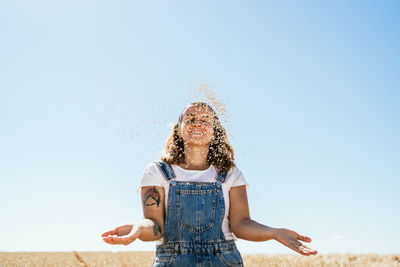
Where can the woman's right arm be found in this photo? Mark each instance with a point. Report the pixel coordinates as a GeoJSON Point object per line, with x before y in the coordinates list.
{"type": "Point", "coordinates": [149, 229]}
{"type": "Point", "coordinates": [153, 198]}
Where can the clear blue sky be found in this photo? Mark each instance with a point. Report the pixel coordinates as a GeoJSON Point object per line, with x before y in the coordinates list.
{"type": "Point", "coordinates": [89, 89]}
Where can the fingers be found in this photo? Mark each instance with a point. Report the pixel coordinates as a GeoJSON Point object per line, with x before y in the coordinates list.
{"type": "Point", "coordinates": [120, 230]}
{"type": "Point", "coordinates": [306, 251]}
{"type": "Point", "coordinates": [301, 249]}
{"type": "Point", "coordinates": [304, 238]}
{"type": "Point", "coordinates": [112, 232]}
{"type": "Point", "coordinates": [291, 239]}
{"type": "Point", "coordinates": [121, 240]}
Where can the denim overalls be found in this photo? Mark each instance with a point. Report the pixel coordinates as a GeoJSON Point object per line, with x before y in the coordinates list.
{"type": "Point", "coordinates": [193, 225]}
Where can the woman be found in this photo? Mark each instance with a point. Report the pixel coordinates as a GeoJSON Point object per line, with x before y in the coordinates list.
{"type": "Point", "coordinates": [195, 201]}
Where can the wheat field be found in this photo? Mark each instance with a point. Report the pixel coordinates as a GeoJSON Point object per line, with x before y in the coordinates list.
{"type": "Point", "coordinates": [141, 259]}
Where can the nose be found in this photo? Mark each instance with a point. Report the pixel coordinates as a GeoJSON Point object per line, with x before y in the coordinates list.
{"type": "Point", "coordinates": [197, 123]}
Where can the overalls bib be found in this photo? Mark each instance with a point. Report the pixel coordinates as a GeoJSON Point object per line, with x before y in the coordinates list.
{"type": "Point", "coordinates": [193, 225]}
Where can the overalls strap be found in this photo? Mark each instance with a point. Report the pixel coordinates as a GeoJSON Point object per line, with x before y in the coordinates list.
{"type": "Point", "coordinates": [169, 174]}
{"type": "Point", "coordinates": [221, 177]}
{"type": "Point", "coordinates": [165, 169]}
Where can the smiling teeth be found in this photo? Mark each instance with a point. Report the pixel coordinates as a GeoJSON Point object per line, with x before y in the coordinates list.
{"type": "Point", "coordinates": [197, 133]}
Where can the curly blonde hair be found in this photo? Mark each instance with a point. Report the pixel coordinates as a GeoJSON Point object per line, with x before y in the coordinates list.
{"type": "Point", "coordinates": [220, 153]}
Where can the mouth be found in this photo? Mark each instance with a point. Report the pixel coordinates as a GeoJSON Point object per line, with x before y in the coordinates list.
{"type": "Point", "coordinates": [197, 133]}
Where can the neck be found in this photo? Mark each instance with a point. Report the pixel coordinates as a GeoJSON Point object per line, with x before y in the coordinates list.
{"type": "Point", "coordinates": [195, 157]}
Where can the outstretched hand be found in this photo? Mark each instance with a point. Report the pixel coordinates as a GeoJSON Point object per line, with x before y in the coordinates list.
{"type": "Point", "coordinates": [122, 235]}
{"type": "Point", "coordinates": [291, 239]}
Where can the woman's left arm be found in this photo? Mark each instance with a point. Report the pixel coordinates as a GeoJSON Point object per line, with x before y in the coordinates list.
{"type": "Point", "coordinates": [245, 228]}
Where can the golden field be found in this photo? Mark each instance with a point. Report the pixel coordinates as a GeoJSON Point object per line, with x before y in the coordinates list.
{"type": "Point", "coordinates": [130, 259]}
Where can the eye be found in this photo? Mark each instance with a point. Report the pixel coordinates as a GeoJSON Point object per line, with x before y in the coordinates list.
{"type": "Point", "coordinates": [189, 120]}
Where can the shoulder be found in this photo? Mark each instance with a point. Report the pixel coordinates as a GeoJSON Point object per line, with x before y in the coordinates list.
{"type": "Point", "coordinates": [152, 168]}
{"type": "Point", "coordinates": [234, 170]}
{"type": "Point", "coordinates": [235, 177]}
{"type": "Point", "coordinates": [151, 176]}
{"type": "Point", "coordinates": [235, 173]}
{"type": "Point", "coordinates": [153, 171]}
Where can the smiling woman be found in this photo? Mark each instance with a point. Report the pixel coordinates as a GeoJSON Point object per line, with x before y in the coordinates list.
{"type": "Point", "coordinates": [195, 199]}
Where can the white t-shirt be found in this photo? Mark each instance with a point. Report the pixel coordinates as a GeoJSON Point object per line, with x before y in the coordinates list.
{"type": "Point", "coordinates": [152, 176]}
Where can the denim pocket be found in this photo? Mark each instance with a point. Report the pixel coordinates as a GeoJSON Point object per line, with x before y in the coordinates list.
{"type": "Point", "coordinates": [163, 260]}
{"type": "Point", "coordinates": [195, 209]}
{"type": "Point", "coordinates": [232, 258]}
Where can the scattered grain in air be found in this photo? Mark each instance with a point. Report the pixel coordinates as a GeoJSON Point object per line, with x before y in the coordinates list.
{"type": "Point", "coordinates": [204, 92]}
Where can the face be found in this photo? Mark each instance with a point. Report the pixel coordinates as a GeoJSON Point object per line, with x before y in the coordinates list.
{"type": "Point", "coordinates": [196, 127]}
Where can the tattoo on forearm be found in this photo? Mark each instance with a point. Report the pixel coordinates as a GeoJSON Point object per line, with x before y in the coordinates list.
{"type": "Point", "coordinates": [152, 198]}
{"type": "Point", "coordinates": [156, 229]}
